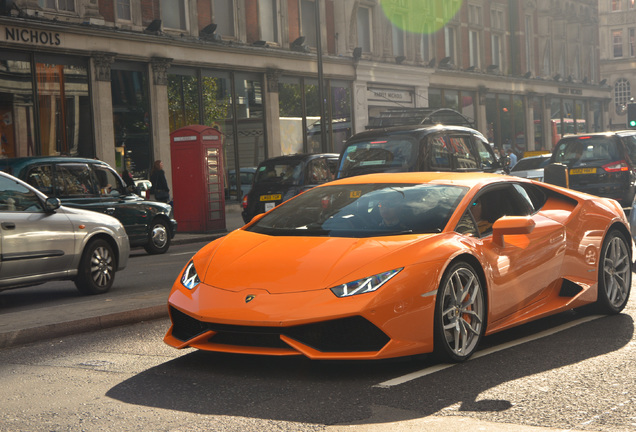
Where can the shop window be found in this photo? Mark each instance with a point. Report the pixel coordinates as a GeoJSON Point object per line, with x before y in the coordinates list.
{"type": "Point", "coordinates": [173, 14]}
{"type": "Point", "coordinates": [131, 118]}
{"type": "Point", "coordinates": [183, 100]}
{"type": "Point", "coordinates": [65, 125]}
{"type": "Point", "coordinates": [58, 5]}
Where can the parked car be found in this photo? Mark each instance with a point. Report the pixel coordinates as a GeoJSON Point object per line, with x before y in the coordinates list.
{"type": "Point", "coordinates": [91, 184]}
{"type": "Point", "coordinates": [531, 167]}
{"type": "Point", "coordinates": [143, 188]}
{"type": "Point", "coordinates": [417, 148]}
{"type": "Point", "coordinates": [601, 164]}
{"type": "Point", "coordinates": [280, 178]}
{"type": "Point", "coordinates": [335, 276]}
{"type": "Point", "coordinates": [246, 178]}
{"type": "Point", "coordinates": [43, 241]}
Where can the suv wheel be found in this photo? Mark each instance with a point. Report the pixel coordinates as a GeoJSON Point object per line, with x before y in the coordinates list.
{"type": "Point", "coordinates": [97, 268]}
{"type": "Point", "coordinates": [158, 238]}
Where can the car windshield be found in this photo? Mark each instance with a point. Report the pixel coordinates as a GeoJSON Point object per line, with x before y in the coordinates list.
{"type": "Point", "coordinates": [389, 153]}
{"type": "Point", "coordinates": [289, 172]}
{"type": "Point", "coordinates": [364, 210]}
{"type": "Point", "coordinates": [531, 163]}
{"type": "Point", "coordinates": [586, 149]}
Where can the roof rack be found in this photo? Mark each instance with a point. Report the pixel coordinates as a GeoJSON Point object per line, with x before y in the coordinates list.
{"type": "Point", "coordinates": [417, 116]}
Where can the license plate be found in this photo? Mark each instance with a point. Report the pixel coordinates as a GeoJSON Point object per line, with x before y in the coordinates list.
{"type": "Point", "coordinates": [583, 171]}
{"type": "Point", "coordinates": [269, 206]}
{"type": "Point", "coordinates": [273, 197]}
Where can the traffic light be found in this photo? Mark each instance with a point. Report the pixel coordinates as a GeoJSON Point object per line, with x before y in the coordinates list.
{"type": "Point", "coordinates": [631, 115]}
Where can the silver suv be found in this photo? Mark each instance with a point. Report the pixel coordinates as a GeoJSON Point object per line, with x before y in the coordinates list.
{"type": "Point", "coordinates": [41, 241]}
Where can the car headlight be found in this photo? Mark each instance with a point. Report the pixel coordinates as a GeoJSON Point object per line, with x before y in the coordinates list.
{"type": "Point", "coordinates": [361, 286]}
{"type": "Point", "coordinates": [190, 278]}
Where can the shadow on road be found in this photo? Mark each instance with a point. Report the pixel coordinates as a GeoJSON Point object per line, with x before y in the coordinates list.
{"type": "Point", "coordinates": [299, 390]}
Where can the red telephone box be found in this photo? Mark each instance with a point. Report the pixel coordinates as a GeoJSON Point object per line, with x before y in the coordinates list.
{"type": "Point", "coordinates": [197, 178]}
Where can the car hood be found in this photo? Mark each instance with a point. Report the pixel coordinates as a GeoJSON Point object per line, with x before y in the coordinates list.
{"type": "Point", "coordinates": [246, 260]}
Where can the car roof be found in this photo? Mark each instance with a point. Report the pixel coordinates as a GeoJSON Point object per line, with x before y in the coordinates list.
{"type": "Point", "coordinates": [419, 129]}
{"type": "Point", "coordinates": [298, 157]}
{"type": "Point", "coordinates": [620, 133]}
{"type": "Point", "coordinates": [16, 165]}
{"type": "Point", "coordinates": [450, 178]}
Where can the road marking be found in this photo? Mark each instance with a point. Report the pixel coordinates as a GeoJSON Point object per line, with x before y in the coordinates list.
{"type": "Point", "coordinates": [433, 369]}
{"type": "Point", "coordinates": [182, 253]}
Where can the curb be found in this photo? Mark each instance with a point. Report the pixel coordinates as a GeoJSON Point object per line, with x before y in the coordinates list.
{"type": "Point", "coordinates": [84, 325]}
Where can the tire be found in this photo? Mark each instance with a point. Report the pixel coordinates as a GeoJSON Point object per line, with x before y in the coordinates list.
{"type": "Point", "coordinates": [158, 238]}
{"type": "Point", "coordinates": [614, 274]}
{"type": "Point", "coordinates": [460, 313]}
{"type": "Point", "coordinates": [96, 272]}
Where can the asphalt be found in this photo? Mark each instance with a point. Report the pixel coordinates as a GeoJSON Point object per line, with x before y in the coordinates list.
{"type": "Point", "coordinates": [98, 312]}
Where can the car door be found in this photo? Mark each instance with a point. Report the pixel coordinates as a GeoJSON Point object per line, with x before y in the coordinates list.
{"type": "Point", "coordinates": [33, 242]}
{"type": "Point", "coordinates": [526, 265]}
{"type": "Point", "coordinates": [116, 201]}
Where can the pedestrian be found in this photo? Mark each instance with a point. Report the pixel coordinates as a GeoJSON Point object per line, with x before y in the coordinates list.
{"type": "Point", "coordinates": [159, 187]}
{"type": "Point", "coordinates": [512, 156]}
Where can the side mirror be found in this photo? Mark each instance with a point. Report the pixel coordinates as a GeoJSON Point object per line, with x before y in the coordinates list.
{"type": "Point", "coordinates": [52, 204]}
{"type": "Point", "coordinates": [511, 225]}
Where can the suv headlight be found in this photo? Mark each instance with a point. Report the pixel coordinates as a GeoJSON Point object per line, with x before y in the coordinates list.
{"type": "Point", "coordinates": [361, 286]}
{"type": "Point", "coordinates": [190, 278]}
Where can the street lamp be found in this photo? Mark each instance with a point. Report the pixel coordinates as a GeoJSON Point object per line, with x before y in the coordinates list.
{"type": "Point", "coordinates": [321, 87]}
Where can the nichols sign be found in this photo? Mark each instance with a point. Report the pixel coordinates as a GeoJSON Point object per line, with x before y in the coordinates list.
{"type": "Point", "coordinates": [37, 37]}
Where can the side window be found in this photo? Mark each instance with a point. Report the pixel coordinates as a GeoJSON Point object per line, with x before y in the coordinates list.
{"type": "Point", "coordinates": [438, 155]}
{"type": "Point", "coordinates": [465, 159]}
{"type": "Point", "coordinates": [630, 144]}
{"type": "Point", "coordinates": [524, 203]}
{"type": "Point", "coordinates": [317, 171]}
{"type": "Point", "coordinates": [16, 198]}
{"type": "Point", "coordinates": [108, 182]}
{"type": "Point", "coordinates": [41, 178]}
{"type": "Point", "coordinates": [486, 157]}
{"type": "Point", "coordinates": [74, 181]}
{"type": "Point", "coordinates": [498, 202]}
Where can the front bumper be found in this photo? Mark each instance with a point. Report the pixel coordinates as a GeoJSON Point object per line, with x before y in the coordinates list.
{"type": "Point", "coordinates": [315, 324]}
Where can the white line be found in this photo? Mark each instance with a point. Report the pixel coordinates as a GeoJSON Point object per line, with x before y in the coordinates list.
{"type": "Point", "coordinates": [182, 253]}
{"type": "Point", "coordinates": [431, 370]}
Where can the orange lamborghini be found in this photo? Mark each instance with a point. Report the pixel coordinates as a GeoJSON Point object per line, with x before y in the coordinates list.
{"type": "Point", "coordinates": [389, 265]}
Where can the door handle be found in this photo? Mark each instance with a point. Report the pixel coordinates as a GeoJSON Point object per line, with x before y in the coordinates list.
{"type": "Point", "coordinates": [8, 225]}
{"type": "Point", "coordinates": [110, 211]}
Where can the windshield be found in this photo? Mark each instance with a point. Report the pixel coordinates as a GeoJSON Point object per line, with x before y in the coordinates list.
{"type": "Point", "coordinates": [531, 163]}
{"type": "Point", "coordinates": [587, 149]}
{"type": "Point", "coordinates": [380, 155]}
{"type": "Point", "coordinates": [364, 210]}
{"type": "Point", "coordinates": [288, 172]}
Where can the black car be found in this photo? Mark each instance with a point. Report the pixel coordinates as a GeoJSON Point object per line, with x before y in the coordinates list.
{"type": "Point", "coordinates": [418, 148]}
{"type": "Point", "coordinates": [91, 184]}
{"type": "Point", "coordinates": [601, 164]}
{"type": "Point", "coordinates": [280, 178]}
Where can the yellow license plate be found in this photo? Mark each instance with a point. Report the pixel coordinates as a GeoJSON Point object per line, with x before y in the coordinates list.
{"type": "Point", "coordinates": [583, 171]}
{"type": "Point", "coordinates": [273, 197]}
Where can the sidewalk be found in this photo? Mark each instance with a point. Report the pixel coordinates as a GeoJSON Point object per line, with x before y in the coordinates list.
{"type": "Point", "coordinates": [99, 312]}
